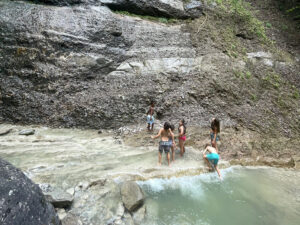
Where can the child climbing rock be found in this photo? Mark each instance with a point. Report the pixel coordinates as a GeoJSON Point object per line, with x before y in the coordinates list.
{"type": "Point", "coordinates": [212, 158]}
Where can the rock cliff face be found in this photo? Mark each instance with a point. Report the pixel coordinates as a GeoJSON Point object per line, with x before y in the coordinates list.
{"type": "Point", "coordinates": [78, 63]}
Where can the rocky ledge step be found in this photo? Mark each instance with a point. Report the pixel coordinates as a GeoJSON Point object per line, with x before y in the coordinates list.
{"type": "Point", "coordinates": [161, 8]}
{"type": "Point", "coordinates": [57, 197]}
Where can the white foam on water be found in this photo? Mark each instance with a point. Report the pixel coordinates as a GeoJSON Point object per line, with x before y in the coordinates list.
{"type": "Point", "coordinates": [190, 186]}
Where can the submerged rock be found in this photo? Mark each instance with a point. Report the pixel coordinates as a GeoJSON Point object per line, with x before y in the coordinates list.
{"type": "Point", "coordinates": [27, 132]}
{"type": "Point", "coordinates": [22, 201]}
{"type": "Point", "coordinates": [132, 195]}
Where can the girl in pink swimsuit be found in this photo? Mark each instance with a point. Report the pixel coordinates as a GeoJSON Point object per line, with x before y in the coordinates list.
{"type": "Point", "coordinates": [182, 137]}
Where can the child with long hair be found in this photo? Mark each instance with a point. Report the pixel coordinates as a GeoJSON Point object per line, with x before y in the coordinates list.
{"type": "Point", "coordinates": [182, 136]}
{"type": "Point", "coordinates": [214, 134]}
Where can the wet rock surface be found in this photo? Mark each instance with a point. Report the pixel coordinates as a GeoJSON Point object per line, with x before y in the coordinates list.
{"type": "Point", "coordinates": [139, 215]}
{"type": "Point", "coordinates": [71, 219]}
{"type": "Point", "coordinates": [58, 198]}
{"type": "Point", "coordinates": [132, 196]}
{"type": "Point", "coordinates": [22, 202]}
{"type": "Point", "coordinates": [27, 132]}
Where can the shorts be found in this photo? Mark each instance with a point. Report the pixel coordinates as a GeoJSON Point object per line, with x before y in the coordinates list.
{"type": "Point", "coordinates": [182, 138]}
{"type": "Point", "coordinates": [212, 135]}
{"type": "Point", "coordinates": [213, 158]}
{"type": "Point", "coordinates": [150, 119]}
{"type": "Point", "coordinates": [164, 146]}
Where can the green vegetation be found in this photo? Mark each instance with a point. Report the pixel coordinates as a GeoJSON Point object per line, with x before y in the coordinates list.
{"type": "Point", "coordinates": [241, 10]}
{"type": "Point", "coordinates": [248, 74]}
{"type": "Point", "coordinates": [239, 74]}
{"type": "Point", "coordinates": [296, 94]}
{"type": "Point", "coordinates": [242, 75]}
{"type": "Point", "coordinates": [254, 97]}
{"type": "Point", "coordinates": [292, 10]}
{"type": "Point", "coordinates": [268, 25]}
{"type": "Point", "coordinates": [273, 79]}
{"type": "Point", "coordinates": [150, 18]}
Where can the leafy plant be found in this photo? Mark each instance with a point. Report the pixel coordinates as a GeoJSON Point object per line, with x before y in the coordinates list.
{"type": "Point", "coordinates": [268, 25]}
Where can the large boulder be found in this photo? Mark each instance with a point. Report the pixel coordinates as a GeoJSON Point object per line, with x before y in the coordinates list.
{"type": "Point", "coordinates": [22, 201]}
{"type": "Point", "coordinates": [132, 195]}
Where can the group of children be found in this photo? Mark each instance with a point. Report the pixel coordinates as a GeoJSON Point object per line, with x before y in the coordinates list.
{"type": "Point", "coordinates": [167, 143]}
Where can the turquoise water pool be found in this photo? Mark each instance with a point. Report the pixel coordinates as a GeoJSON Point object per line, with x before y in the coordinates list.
{"type": "Point", "coordinates": [246, 196]}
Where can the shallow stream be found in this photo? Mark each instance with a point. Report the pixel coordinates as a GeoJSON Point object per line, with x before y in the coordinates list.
{"type": "Point", "coordinates": [175, 195]}
{"type": "Point", "coordinates": [246, 196]}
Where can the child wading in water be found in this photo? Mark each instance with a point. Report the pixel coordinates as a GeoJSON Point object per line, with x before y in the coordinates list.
{"type": "Point", "coordinates": [172, 128]}
{"type": "Point", "coordinates": [164, 144]}
{"type": "Point", "coordinates": [212, 158]}
{"type": "Point", "coordinates": [214, 134]}
{"type": "Point", "coordinates": [150, 117]}
{"type": "Point", "coordinates": [182, 137]}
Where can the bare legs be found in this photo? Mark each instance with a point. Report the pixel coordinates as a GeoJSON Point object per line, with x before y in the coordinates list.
{"type": "Point", "coordinates": [212, 167]}
{"type": "Point", "coordinates": [168, 157]}
{"type": "Point", "coordinates": [218, 171]}
{"type": "Point", "coordinates": [208, 163]}
{"type": "Point", "coordinates": [181, 145]}
{"type": "Point", "coordinates": [159, 158]}
{"type": "Point", "coordinates": [173, 153]}
{"type": "Point", "coordinates": [150, 127]}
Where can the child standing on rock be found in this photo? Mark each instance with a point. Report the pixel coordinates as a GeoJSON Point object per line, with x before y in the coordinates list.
{"type": "Point", "coordinates": [150, 117]}
{"type": "Point", "coordinates": [182, 137]}
{"type": "Point", "coordinates": [173, 146]}
{"type": "Point", "coordinates": [164, 144]}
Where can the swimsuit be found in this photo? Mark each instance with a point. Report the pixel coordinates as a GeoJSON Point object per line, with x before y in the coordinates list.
{"type": "Point", "coordinates": [212, 135]}
{"type": "Point", "coordinates": [213, 158]}
{"type": "Point", "coordinates": [182, 138]}
{"type": "Point", "coordinates": [150, 119]}
{"type": "Point", "coordinates": [164, 146]}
